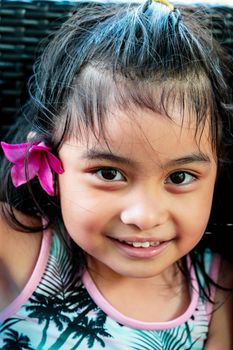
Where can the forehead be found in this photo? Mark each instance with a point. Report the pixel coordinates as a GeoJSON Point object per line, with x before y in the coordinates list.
{"type": "Point", "coordinates": [98, 96]}
{"type": "Point", "coordinates": [146, 136]}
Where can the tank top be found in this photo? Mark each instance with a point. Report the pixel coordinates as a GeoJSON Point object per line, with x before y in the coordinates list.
{"type": "Point", "coordinates": [53, 313]}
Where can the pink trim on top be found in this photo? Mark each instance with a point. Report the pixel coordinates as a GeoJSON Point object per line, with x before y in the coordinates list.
{"type": "Point", "coordinates": [214, 274]}
{"type": "Point", "coordinates": [33, 281]}
{"type": "Point", "coordinates": [130, 322]}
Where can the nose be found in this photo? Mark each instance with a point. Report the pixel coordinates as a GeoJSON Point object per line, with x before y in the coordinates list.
{"type": "Point", "coordinates": [145, 212]}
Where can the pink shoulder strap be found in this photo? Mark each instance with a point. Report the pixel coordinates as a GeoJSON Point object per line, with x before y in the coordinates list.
{"type": "Point", "coordinates": [33, 281]}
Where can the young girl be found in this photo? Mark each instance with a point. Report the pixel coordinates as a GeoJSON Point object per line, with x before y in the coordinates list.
{"type": "Point", "coordinates": [107, 184]}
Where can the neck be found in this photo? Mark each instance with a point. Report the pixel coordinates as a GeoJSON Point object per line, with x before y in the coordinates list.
{"type": "Point", "coordinates": [155, 299]}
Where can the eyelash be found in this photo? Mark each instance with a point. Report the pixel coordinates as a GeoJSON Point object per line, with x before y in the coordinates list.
{"type": "Point", "coordinates": [96, 171]}
{"type": "Point", "coordinates": [123, 178]}
{"type": "Point", "coordinates": [181, 172]}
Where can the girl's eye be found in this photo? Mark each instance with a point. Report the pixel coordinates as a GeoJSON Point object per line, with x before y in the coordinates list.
{"type": "Point", "coordinates": [180, 178]}
{"type": "Point", "coordinates": [109, 174]}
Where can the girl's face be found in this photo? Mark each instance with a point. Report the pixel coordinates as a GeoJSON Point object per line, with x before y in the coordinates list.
{"type": "Point", "coordinates": [139, 203]}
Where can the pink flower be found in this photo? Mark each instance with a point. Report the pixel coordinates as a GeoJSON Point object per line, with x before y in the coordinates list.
{"type": "Point", "coordinates": [39, 161]}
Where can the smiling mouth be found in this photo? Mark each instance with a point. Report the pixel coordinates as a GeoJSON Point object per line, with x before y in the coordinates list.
{"type": "Point", "coordinates": [140, 248]}
{"type": "Point", "coordinates": [145, 244]}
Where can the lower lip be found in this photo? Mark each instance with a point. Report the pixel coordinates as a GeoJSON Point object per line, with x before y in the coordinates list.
{"type": "Point", "coordinates": [141, 253]}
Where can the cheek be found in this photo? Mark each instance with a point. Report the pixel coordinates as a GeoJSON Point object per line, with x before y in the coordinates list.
{"type": "Point", "coordinates": [83, 206]}
{"type": "Point", "coordinates": [76, 200]}
{"type": "Point", "coordinates": [78, 217]}
{"type": "Point", "coordinates": [77, 194]}
{"type": "Point", "coordinates": [82, 215]}
{"type": "Point", "coordinates": [193, 209]}
{"type": "Point", "coordinates": [195, 218]}
{"type": "Point", "coordinates": [81, 226]}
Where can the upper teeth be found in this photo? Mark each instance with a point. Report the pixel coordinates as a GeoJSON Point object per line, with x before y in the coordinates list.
{"type": "Point", "coordinates": [143, 244]}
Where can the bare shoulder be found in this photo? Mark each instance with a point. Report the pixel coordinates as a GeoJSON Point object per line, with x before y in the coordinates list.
{"type": "Point", "coordinates": [221, 325]}
{"type": "Point", "coordinates": [13, 240]}
{"type": "Point", "coordinates": [18, 255]}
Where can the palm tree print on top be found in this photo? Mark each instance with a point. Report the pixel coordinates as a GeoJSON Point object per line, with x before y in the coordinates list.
{"type": "Point", "coordinates": [16, 341]}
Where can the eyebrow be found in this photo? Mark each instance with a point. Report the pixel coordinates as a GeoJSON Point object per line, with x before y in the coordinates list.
{"type": "Point", "coordinates": [191, 158]}
{"type": "Point", "coordinates": [93, 154]}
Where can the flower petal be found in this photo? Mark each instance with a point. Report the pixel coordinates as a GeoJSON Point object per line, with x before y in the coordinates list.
{"type": "Point", "coordinates": [32, 160]}
{"type": "Point", "coordinates": [55, 163]}
{"type": "Point", "coordinates": [34, 163]}
{"type": "Point", "coordinates": [15, 152]}
{"type": "Point", "coordinates": [20, 175]}
{"type": "Point", "coordinates": [45, 176]}
{"type": "Point", "coordinates": [40, 146]}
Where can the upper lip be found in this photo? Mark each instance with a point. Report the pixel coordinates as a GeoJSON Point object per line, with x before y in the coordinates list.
{"type": "Point", "coordinates": [141, 239]}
